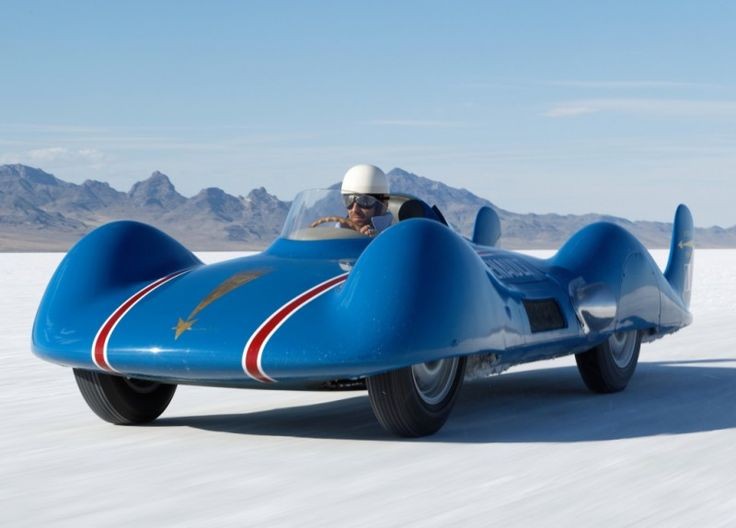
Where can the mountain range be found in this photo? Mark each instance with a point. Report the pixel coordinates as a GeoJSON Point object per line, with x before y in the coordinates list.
{"type": "Point", "coordinates": [40, 212]}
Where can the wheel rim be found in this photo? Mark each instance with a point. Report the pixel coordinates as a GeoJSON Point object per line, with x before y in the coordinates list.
{"type": "Point", "coordinates": [141, 386]}
{"type": "Point", "coordinates": [622, 346]}
{"type": "Point", "coordinates": [434, 380]}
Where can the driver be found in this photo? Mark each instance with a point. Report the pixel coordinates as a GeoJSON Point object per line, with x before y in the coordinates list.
{"type": "Point", "coordinates": [365, 193]}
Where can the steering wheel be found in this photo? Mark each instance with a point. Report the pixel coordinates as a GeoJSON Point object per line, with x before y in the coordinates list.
{"type": "Point", "coordinates": [344, 222]}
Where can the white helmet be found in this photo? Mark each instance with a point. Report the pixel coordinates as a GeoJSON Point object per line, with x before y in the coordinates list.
{"type": "Point", "coordinates": [364, 179]}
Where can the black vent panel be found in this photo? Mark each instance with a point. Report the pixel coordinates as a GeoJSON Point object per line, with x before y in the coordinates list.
{"type": "Point", "coordinates": [544, 315]}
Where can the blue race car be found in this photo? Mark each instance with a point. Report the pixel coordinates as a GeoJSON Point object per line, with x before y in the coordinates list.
{"type": "Point", "coordinates": [406, 313]}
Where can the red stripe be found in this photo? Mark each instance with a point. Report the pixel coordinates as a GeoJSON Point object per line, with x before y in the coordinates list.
{"type": "Point", "coordinates": [99, 347]}
{"type": "Point", "coordinates": [255, 345]}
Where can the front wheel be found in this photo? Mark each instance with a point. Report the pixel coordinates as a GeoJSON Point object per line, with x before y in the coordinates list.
{"type": "Point", "coordinates": [609, 366]}
{"type": "Point", "coordinates": [123, 401]}
{"type": "Point", "coordinates": [416, 401]}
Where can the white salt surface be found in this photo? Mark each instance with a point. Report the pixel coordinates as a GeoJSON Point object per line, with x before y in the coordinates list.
{"type": "Point", "coordinates": [529, 448]}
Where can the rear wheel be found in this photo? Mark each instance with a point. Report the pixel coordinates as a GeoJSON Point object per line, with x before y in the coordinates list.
{"type": "Point", "coordinates": [123, 401]}
{"type": "Point", "coordinates": [609, 366]}
{"type": "Point", "coordinates": [416, 401]}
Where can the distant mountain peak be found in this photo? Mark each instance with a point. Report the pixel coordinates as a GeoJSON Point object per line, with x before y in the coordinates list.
{"type": "Point", "coordinates": [95, 184]}
{"type": "Point", "coordinates": [214, 201]}
{"type": "Point", "coordinates": [434, 192]}
{"type": "Point", "coordinates": [210, 192]}
{"type": "Point", "coordinates": [158, 175]}
{"type": "Point", "coordinates": [260, 195]}
{"type": "Point", "coordinates": [156, 191]}
{"type": "Point", "coordinates": [156, 179]}
{"type": "Point", "coordinates": [30, 174]}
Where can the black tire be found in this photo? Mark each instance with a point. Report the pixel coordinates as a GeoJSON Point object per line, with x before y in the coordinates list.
{"type": "Point", "coordinates": [416, 401]}
{"type": "Point", "coordinates": [123, 401]}
{"type": "Point", "coordinates": [609, 366]}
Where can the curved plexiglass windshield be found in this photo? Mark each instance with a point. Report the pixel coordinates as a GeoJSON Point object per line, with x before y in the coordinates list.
{"type": "Point", "coordinates": [308, 208]}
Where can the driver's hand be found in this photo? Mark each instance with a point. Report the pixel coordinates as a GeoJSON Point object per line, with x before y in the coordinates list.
{"type": "Point", "coordinates": [368, 230]}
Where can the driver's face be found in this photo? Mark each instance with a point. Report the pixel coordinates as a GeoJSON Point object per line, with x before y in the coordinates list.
{"type": "Point", "coordinates": [360, 216]}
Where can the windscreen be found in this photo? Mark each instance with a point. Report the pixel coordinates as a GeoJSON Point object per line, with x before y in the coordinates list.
{"type": "Point", "coordinates": [313, 216]}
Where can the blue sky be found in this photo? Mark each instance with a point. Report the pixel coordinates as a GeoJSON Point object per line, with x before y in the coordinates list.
{"type": "Point", "coordinates": [625, 108]}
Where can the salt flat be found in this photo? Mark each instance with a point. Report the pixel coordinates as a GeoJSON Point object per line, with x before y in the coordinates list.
{"type": "Point", "coordinates": [529, 448]}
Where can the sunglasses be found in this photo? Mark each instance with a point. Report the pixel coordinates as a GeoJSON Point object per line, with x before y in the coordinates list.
{"type": "Point", "coordinates": [364, 201]}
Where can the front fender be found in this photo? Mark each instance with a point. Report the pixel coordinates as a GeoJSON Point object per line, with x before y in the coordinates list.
{"type": "Point", "coordinates": [96, 275]}
{"type": "Point", "coordinates": [419, 293]}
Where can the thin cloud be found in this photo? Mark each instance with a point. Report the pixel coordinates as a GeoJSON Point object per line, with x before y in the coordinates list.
{"type": "Point", "coordinates": [72, 139]}
{"type": "Point", "coordinates": [117, 129]}
{"type": "Point", "coordinates": [630, 85]}
{"type": "Point", "coordinates": [53, 129]}
{"type": "Point", "coordinates": [650, 107]}
{"type": "Point", "coordinates": [56, 156]}
{"type": "Point", "coordinates": [65, 155]}
{"type": "Point", "coordinates": [571, 110]}
{"type": "Point", "coordinates": [418, 123]}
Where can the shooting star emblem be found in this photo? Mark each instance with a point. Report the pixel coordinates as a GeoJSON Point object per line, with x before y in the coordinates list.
{"type": "Point", "coordinates": [227, 286]}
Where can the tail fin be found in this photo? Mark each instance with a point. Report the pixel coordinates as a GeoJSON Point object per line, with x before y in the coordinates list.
{"type": "Point", "coordinates": [679, 272]}
{"type": "Point", "coordinates": [487, 227]}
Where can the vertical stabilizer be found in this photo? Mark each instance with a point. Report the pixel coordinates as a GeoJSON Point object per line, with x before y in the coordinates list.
{"type": "Point", "coordinates": [487, 229]}
{"type": "Point", "coordinates": [679, 272]}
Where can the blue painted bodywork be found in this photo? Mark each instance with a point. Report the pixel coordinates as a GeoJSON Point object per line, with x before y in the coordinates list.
{"type": "Point", "coordinates": [416, 293]}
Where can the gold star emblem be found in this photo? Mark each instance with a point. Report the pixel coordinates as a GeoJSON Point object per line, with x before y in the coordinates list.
{"type": "Point", "coordinates": [230, 284]}
{"type": "Point", "coordinates": [182, 326]}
